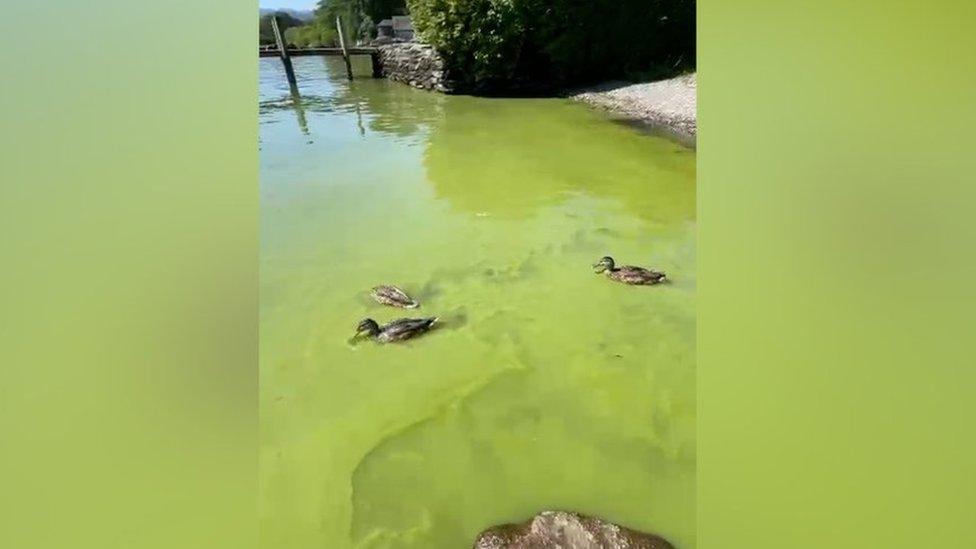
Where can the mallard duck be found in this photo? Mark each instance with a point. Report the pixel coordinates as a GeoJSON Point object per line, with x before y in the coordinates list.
{"type": "Point", "coordinates": [398, 330]}
{"type": "Point", "coordinates": [629, 274]}
{"type": "Point", "coordinates": [393, 296]}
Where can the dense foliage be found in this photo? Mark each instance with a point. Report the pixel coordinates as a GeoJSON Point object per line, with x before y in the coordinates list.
{"type": "Point", "coordinates": [480, 39]}
{"type": "Point", "coordinates": [490, 42]}
{"type": "Point", "coordinates": [312, 35]}
{"type": "Point", "coordinates": [359, 18]}
{"type": "Point", "coordinates": [285, 22]}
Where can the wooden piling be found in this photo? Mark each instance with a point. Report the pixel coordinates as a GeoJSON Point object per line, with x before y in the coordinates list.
{"type": "Point", "coordinates": [345, 52]}
{"type": "Point", "coordinates": [377, 64]}
{"type": "Point", "coordinates": [283, 51]}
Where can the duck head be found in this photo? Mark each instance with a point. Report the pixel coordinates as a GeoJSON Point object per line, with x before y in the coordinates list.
{"type": "Point", "coordinates": [368, 326]}
{"type": "Point", "coordinates": [605, 264]}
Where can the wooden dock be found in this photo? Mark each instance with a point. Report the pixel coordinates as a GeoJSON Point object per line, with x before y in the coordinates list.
{"type": "Point", "coordinates": [298, 52]}
{"type": "Point", "coordinates": [281, 49]}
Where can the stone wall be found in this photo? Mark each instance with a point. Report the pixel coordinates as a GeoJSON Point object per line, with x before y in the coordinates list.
{"type": "Point", "coordinates": [416, 64]}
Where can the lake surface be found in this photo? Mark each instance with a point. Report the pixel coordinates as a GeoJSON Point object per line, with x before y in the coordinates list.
{"type": "Point", "coordinates": [545, 386]}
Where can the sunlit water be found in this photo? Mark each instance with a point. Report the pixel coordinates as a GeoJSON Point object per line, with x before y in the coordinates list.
{"type": "Point", "coordinates": [545, 386]}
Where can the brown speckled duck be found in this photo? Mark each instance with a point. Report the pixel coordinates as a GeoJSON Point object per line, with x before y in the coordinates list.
{"type": "Point", "coordinates": [394, 297]}
{"type": "Point", "coordinates": [398, 330]}
{"type": "Point", "coordinates": [628, 274]}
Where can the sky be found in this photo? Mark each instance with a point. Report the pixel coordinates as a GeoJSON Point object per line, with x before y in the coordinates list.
{"type": "Point", "coordinates": [291, 4]}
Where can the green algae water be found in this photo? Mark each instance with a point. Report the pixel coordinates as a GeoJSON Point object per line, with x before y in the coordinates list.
{"type": "Point", "coordinates": [544, 386]}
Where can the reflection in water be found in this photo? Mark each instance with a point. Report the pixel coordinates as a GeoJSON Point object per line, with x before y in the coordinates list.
{"type": "Point", "coordinates": [276, 100]}
{"type": "Point", "coordinates": [359, 121]}
{"type": "Point", "coordinates": [296, 101]}
{"type": "Point", "coordinates": [546, 386]}
{"type": "Point", "coordinates": [400, 111]}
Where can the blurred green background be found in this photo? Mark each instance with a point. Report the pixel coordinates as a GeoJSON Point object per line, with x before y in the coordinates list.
{"type": "Point", "coordinates": [128, 238]}
{"type": "Point", "coordinates": [836, 239]}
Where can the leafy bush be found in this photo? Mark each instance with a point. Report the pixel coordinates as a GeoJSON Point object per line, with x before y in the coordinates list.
{"type": "Point", "coordinates": [500, 42]}
{"type": "Point", "coordinates": [480, 39]}
{"type": "Point", "coordinates": [311, 36]}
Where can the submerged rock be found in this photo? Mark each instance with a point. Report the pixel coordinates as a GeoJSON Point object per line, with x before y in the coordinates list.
{"type": "Point", "coordinates": [562, 530]}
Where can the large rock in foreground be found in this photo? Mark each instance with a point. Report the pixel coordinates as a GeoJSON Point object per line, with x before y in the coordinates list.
{"type": "Point", "coordinates": [562, 530]}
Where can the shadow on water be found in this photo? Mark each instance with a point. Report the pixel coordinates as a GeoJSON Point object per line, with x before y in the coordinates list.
{"type": "Point", "coordinates": [658, 129]}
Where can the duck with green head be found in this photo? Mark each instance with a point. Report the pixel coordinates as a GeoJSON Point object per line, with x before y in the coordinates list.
{"type": "Point", "coordinates": [398, 330]}
{"type": "Point", "coordinates": [629, 274]}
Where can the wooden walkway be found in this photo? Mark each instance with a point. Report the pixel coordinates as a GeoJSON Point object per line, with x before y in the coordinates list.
{"type": "Point", "coordinates": [280, 49]}
{"type": "Point", "coordinates": [298, 52]}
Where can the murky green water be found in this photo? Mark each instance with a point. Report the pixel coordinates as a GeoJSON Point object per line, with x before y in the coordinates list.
{"type": "Point", "coordinates": [546, 386]}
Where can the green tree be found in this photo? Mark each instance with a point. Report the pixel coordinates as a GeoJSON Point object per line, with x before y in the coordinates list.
{"type": "Point", "coordinates": [495, 43]}
{"type": "Point", "coordinates": [480, 39]}
{"type": "Point", "coordinates": [378, 10]}
{"type": "Point", "coordinates": [350, 12]}
{"type": "Point", "coordinates": [285, 22]}
{"type": "Point", "coordinates": [359, 18]}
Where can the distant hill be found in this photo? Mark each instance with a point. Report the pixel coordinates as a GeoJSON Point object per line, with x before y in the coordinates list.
{"type": "Point", "coordinates": [303, 15]}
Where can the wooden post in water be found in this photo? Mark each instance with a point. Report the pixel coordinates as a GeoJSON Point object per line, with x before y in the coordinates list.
{"type": "Point", "coordinates": [283, 51]}
{"type": "Point", "coordinates": [377, 64]}
{"type": "Point", "coordinates": [342, 44]}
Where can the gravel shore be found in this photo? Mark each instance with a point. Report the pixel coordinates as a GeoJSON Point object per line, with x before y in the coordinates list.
{"type": "Point", "coordinates": [668, 105]}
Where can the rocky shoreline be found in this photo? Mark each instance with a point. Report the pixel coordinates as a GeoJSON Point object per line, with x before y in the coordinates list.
{"type": "Point", "coordinates": [415, 64]}
{"type": "Point", "coordinates": [666, 106]}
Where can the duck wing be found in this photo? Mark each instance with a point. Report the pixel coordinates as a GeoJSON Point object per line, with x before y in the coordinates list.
{"type": "Point", "coordinates": [405, 328]}
{"type": "Point", "coordinates": [640, 275]}
{"type": "Point", "coordinates": [393, 296]}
